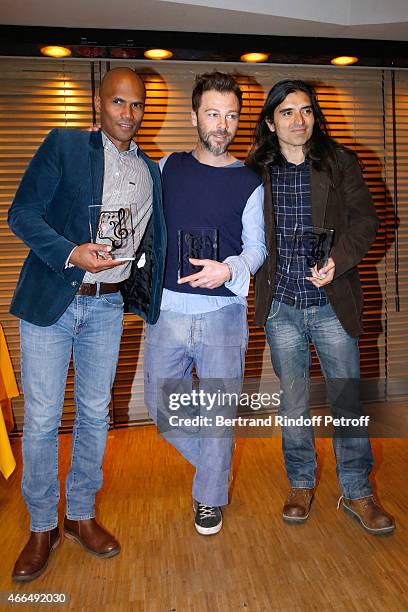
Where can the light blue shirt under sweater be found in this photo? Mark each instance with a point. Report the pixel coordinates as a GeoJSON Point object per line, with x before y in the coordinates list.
{"type": "Point", "coordinates": [251, 258]}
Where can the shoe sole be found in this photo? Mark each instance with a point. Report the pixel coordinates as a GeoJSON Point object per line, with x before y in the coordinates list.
{"type": "Point", "coordinates": [72, 536]}
{"type": "Point", "coordinates": [207, 530]}
{"type": "Point", "coordinates": [384, 531]}
{"type": "Point", "coordinates": [30, 577]}
{"type": "Point", "coordinates": [295, 519]}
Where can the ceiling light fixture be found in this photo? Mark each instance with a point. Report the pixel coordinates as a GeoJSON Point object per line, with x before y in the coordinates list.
{"type": "Point", "coordinates": [344, 60]}
{"type": "Point", "coordinates": [158, 54]}
{"type": "Point", "coordinates": [254, 57]}
{"type": "Point", "coordinates": [52, 51]}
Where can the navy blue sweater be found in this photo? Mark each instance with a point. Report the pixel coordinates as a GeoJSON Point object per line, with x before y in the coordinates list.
{"type": "Point", "coordinates": [201, 196]}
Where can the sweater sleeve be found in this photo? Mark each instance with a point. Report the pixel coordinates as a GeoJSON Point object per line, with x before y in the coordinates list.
{"type": "Point", "coordinates": [253, 245]}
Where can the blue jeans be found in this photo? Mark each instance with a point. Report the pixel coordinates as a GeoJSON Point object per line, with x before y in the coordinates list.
{"type": "Point", "coordinates": [289, 331]}
{"type": "Point", "coordinates": [91, 329]}
{"type": "Point", "coordinates": [215, 343]}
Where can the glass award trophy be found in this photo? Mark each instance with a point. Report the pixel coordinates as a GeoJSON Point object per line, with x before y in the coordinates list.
{"type": "Point", "coordinates": [198, 243]}
{"type": "Point", "coordinates": [113, 227]}
{"type": "Point", "coordinates": [311, 243]}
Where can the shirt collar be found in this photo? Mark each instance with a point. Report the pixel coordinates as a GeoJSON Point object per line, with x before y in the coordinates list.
{"type": "Point", "coordinates": [109, 146]}
{"type": "Point", "coordinates": [303, 166]}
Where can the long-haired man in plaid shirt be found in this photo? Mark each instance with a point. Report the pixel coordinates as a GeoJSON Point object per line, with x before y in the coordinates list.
{"type": "Point", "coordinates": [314, 193]}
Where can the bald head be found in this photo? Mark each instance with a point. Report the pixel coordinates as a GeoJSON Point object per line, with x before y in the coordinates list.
{"type": "Point", "coordinates": [121, 103]}
{"type": "Point", "coordinates": [112, 77]}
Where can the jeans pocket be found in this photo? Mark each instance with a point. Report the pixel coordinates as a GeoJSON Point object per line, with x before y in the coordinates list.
{"type": "Point", "coordinates": [113, 299]}
{"type": "Point", "coordinates": [274, 311]}
{"type": "Point", "coordinates": [226, 326]}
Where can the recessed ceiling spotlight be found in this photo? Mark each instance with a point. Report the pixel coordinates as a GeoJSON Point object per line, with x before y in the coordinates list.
{"type": "Point", "coordinates": [158, 54]}
{"type": "Point", "coordinates": [254, 57]}
{"type": "Point", "coordinates": [53, 51]}
{"type": "Point", "coordinates": [344, 60]}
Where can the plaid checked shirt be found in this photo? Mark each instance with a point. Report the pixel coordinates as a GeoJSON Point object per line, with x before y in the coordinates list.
{"type": "Point", "coordinates": [293, 209]}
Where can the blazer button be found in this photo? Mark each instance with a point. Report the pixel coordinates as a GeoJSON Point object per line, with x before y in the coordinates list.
{"type": "Point", "coordinates": [74, 283]}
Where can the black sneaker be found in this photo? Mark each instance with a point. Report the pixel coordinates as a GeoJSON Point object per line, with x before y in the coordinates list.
{"type": "Point", "coordinates": [208, 519]}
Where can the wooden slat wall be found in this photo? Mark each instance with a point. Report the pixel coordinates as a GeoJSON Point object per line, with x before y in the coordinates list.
{"type": "Point", "coordinates": [351, 98]}
{"type": "Point", "coordinates": [397, 259]}
{"type": "Point", "coordinates": [353, 103]}
{"type": "Point", "coordinates": [35, 96]}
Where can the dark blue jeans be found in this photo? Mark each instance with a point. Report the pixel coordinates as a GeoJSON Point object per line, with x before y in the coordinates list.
{"type": "Point", "coordinates": [289, 332]}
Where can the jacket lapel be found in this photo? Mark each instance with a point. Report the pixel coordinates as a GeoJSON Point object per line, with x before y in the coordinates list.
{"type": "Point", "coordinates": [319, 186]}
{"type": "Point", "coordinates": [96, 159]}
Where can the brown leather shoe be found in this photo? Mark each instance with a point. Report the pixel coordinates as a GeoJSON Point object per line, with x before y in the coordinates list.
{"type": "Point", "coordinates": [297, 505]}
{"type": "Point", "coordinates": [368, 512]}
{"type": "Point", "coordinates": [94, 538]}
{"type": "Point", "coordinates": [33, 559]}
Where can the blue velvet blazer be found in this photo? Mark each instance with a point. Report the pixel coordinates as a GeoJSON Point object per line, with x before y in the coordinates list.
{"type": "Point", "coordinates": [50, 214]}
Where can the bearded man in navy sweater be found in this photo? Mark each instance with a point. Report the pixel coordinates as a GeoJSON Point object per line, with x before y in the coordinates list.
{"type": "Point", "coordinates": [213, 207]}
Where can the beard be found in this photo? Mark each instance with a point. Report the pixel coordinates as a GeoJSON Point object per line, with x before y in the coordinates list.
{"type": "Point", "coordinates": [215, 148]}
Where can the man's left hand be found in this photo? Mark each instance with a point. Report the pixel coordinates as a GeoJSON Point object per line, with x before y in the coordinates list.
{"type": "Point", "coordinates": [213, 274]}
{"type": "Point", "coordinates": [324, 276]}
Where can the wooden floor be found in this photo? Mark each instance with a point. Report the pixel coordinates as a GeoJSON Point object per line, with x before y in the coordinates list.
{"type": "Point", "coordinates": [256, 563]}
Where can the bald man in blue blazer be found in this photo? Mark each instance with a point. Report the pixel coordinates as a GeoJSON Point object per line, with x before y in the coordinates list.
{"type": "Point", "coordinates": [70, 299]}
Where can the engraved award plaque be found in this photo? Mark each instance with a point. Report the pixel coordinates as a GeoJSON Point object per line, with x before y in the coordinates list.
{"type": "Point", "coordinates": [113, 227]}
{"type": "Point", "coordinates": [198, 243]}
{"type": "Point", "coordinates": [312, 243]}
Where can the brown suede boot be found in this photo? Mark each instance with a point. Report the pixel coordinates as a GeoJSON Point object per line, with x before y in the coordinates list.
{"type": "Point", "coordinates": [297, 505]}
{"type": "Point", "coordinates": [368, 512]}
{"type": "Point", "coordinates": [33, 559]}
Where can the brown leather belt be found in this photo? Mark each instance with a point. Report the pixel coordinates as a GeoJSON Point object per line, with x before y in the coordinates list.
{"type": "Point", "coordinates": [90, 288]}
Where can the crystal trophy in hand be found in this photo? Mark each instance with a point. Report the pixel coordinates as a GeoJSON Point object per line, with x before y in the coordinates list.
{"type": "Point", "coordinates": [196, 243]}
{"type": "Point", "coordinates": [114, 228]}
{"type": "Point", "coordinates": [311, 243]}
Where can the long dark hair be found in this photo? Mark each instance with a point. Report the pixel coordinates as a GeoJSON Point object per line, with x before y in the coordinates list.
{"type": "Point", "coordinates": [321, 148]}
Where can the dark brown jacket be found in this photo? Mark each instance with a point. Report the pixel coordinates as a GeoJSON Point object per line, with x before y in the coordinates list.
{"type": "Point", "coordinates": [343, 204]}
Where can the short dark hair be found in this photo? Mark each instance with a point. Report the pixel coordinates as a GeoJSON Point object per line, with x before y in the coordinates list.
{"type": "Point", "coordinates": [218, 81]}
{"type": "Point", "coordinates": [320, 148]}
